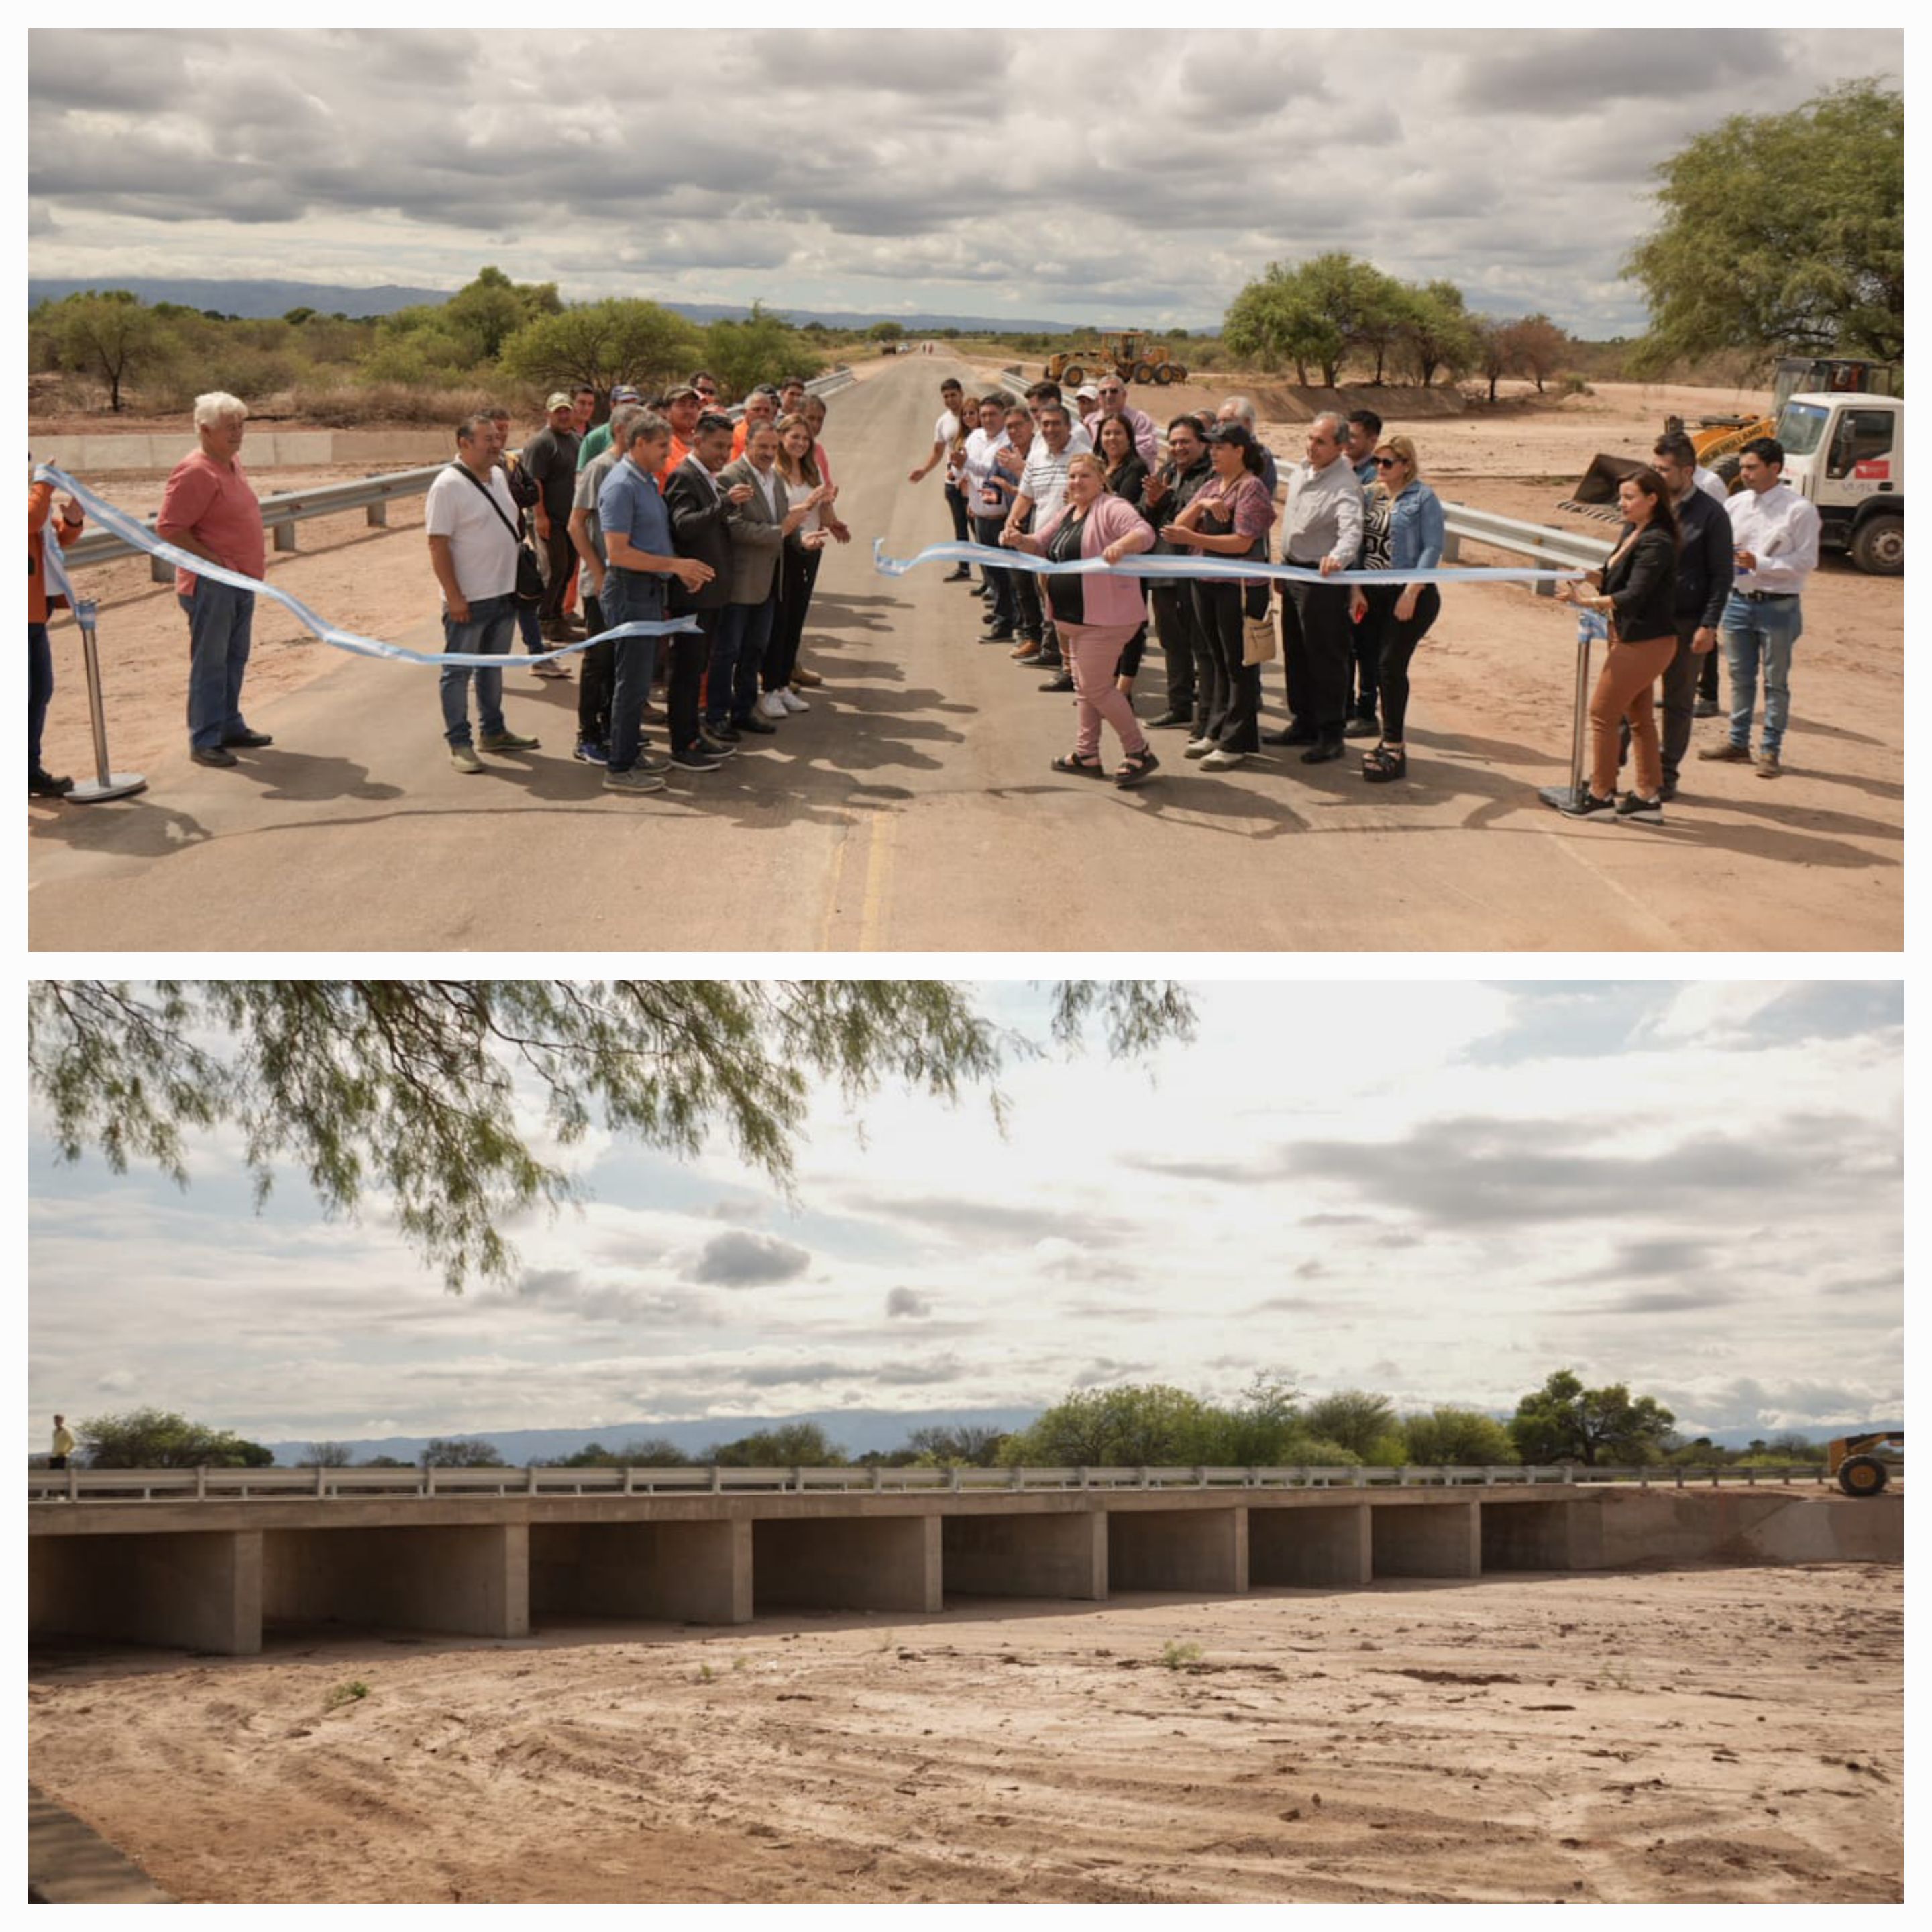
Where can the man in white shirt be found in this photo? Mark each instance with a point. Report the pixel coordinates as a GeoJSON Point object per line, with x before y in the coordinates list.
{"type": "Point", "coordinates": [1775, 530]}
{"type": "Point", "coordinates": [988, 507]}
{"type": "Point", "coordinates": [945, 434]}
{"type": "Point", "coordinates": [1320, 529]}
{"type": "Point", "coordinates": [471, 519]}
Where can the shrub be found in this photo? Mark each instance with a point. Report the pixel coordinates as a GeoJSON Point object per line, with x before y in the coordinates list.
{"type": "Point", "coordinates": [1175, 1655]}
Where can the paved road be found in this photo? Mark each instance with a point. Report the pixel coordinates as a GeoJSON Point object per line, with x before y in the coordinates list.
{"type": "Point", "coordinates": [912, 810]}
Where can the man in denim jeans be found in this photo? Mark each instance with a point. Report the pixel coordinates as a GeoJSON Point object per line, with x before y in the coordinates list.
{"type": "Point", "coordinates": [1774, 533]}
{"type": "Point", "coordinates": [472, 522]}
{"type": "Point", "coordinates": [209, 510]}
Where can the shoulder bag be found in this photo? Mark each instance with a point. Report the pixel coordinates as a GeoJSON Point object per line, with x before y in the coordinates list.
{"type": "Point", "coordinates": [530, 578]}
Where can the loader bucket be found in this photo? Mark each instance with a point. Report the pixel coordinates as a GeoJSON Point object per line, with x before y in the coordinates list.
{"type": "Point", "coordinates": [1596, 490]}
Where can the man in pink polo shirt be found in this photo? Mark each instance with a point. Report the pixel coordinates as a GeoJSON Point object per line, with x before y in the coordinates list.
{"type": "Point", "coordinates": [209, 510]}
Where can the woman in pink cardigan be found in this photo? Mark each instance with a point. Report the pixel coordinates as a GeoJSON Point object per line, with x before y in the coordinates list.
{"type": "Point", "coordinates": [1095, 615]}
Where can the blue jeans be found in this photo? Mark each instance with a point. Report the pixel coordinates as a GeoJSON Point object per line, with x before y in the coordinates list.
{"type": "Point", "coordinates": [530, 627]}
{"type": "Point", "coordinates": [491, 629]}
{"type": "Point", "coordinates": [1755, 633]}
{"type": "Point", "coordinates": [630, 597]}
{"type": "Point", "coordinates": [219, 621]}
{"type": "Point", "coordinates": [737, 654]}
{"type": "Point", "coordinates": [40, 690]}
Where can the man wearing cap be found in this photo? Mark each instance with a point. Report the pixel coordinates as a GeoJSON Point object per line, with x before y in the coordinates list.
{"type": "Point", "coordinates": [597, 441]}
{"type": "Point", "coordinates": [550, 457]}
{"type": "Point", "coordinates": [681, 407]}
{"type": "Point", "coordinates": [1109, 397]}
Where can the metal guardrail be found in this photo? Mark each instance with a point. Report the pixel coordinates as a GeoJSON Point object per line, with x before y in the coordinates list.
{"type": "Point", "coordinates": [1462, 524]}
{"type": "Point", "coordinates": [227, 1485]}
{"type": "Point", "coordinates": [371, 495]}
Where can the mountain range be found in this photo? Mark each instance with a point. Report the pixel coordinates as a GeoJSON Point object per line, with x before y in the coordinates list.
{"type": "Point", "coordinates": [257, 299]}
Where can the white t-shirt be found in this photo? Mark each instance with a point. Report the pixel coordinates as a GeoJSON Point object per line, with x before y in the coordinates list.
{"type": "Point", "coordinates": [483, 551]}
{"type": "Point", "coordinates": [795, 494]}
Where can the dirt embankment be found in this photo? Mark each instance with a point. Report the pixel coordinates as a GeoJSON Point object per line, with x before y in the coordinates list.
{"type": "Point", "coordinates": [1690, 1736]}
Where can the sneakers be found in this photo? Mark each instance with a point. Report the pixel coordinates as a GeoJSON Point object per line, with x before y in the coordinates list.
{"type": "Point", "coordinates": [461, 756]}
{"type": "Point", "coordinates": [1061, 682]}
{"type": "Point", "coordinates": [1589, 805]}
{"type": "Point", "coordinates": [592, 751]}
{"type": "Point", "coordinates": [790, 700]}
{"type": "Point", "coordinates": [1028, 653]}
{"type": "Point", "coordinates": [771, 705]}
{"type": "Point", "coordinates": [695, 758]}
{"type": "Point", "coordinates": [636, 779]}
{"type": "Point", "coordinates": [1644, 811]}
{"type": "Point", "coordinates": [717, 747]}
{"type": "Point", "coordinates": [1198, 748]}
{"type": "Point", "coordinates": [1705, 707]}
{"type": "Point", "coordinates": [1000, 634]}
{"type": "Point", "coordinates": [506, 741]}
{"type": "Point", "coordinates": [759, 727]}
{"type": "Point", "coordinates": [960, 575]}
{"type": "Point", "coordinates": [1768, 766]}
{"type": "Point", "coordinates": [650, 761]}
{"type": "Point", "coordinates": [1220, 759]}
{"type": "Point", "coordinates": [549, 667]}
{"type": "Point", "coordinates": [723, 732]}
{"type": "Point", "coordinates": [1727, 751]}
{"type": "Point", "coordinates": [1321, 751]}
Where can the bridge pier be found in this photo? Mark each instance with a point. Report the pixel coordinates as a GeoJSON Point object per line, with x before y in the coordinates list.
{"type": "Point", "coordinates": [1204, 1550]}
{"type": "Point", "coordinates": [847, 1563]}
{"type": "Point", "coordinates": [193, 1589]}
{"type": "Point", "coordinates": [1426, 1539]}
{"type": "Point", "coordinates": [472, 1580]}
{"type": "Point", "coordinates": [1061, 1555]}
{"type": "Point", "coordinates": [1310, 1548]}
{"type": "Point", "coordinates": [695, 1572]}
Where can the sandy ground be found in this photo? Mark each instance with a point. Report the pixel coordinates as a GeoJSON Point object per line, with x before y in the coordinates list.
{"type": "Point", "coordinates": [926, 755]}
{"type": "Point", "coordinates": [1692, 1736]}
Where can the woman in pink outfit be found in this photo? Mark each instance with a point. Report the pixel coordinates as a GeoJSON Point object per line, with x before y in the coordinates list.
{"type": "Point", "coordinates": [1095, 615]}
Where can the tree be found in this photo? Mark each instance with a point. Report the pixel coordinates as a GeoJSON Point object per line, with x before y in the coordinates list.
{"type": "Point", "coordinates": [1356, 1418]}
{"type": "Point", "coordinates": [1320, 311]}
{"type": "Point", "coordinates": [154, 1438]}
{"type": "Point", "coordinates": [1463, 1438]}
{"type": "Point", "coordinates": [973, 1445]}
{"type": "Point", "coordinates": [1271, 323]}
{"type": "Point", "coordinates": [654, 1452]}
{"type": "Point", "coordinates": [1439, 332]}
{"type": "Point", "coordinates": [1138, 1422]}
{"type": "Point", "coordinates": [461, 1452]}
{"type": "Point", "coordinates": [1792, 1445]}
{"type": "Point", "coordinates": [385, 1463]}
{"type": "Point", "coordinates": [792, 1445]}
{"type": "Point", "coordinates": [602, 343]}
{"type": "Point", "coordinates": [327, 1456]}
{"type": "Point", "coordinates": [109, 333]}
{"type": "Point", "coordinates": [1782, 233]}
{"type": "Point", "coordinates": [1536, 347]}
{"type": "Point", "coordinates": [1492, 350]}
{"type": "Point", "coordinates": [486, 313]}
{"type": "Point", "coordinates": [887, 331]}
{"type": "Point", "coordinates": [762, 348]}
{"type": "Point", "coordinates": [1565, 1422]}
{"type": "Point", "coordinates": [407, 1086]}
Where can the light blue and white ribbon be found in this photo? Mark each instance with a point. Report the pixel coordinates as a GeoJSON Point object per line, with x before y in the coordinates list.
{"type": "Point", "coordinates": [131, 530]}
{"type": "Point", "coordinates": [1147, 564]}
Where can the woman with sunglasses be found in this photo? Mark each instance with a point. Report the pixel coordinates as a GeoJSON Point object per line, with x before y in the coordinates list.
{"type": "Point", "coordinates": [1415, 514]}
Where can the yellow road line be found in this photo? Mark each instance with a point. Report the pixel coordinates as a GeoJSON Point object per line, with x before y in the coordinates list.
{"type": "Point", "coordinates": [878, 865]}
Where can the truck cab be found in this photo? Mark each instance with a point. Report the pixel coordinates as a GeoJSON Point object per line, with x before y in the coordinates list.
{"type": "Point", "coordinates": [1846, 452]}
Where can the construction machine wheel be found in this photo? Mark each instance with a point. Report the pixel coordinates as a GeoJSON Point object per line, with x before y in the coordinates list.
{"type": "Point", "coordinates": [1862, 1475]}
{"type": "Point", "coordinates": [1072, 375]}
{"type": "Point", "coordinates": [1726, 471]}
{"type": "Point", "coordinates": [1143, 372]}
{"type": "Point", "coordinates": [1878, 544]}
{"type": "Point", "coordinates": [1176, 374]}
{"type": "Point", "coordinates": [1163, 374]}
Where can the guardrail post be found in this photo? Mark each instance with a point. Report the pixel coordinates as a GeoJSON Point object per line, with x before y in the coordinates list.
{"type": "Point", "coordinates": [1086, 1480]}
{"type": "Point", "coordinates": [285, 536]}
{"type": "Point", "coordinates": [1452, 547]}
{"type": "Point", "coordinates": [1017, 1479]}
{"type": "Point", "coordinates": [321, 1480]}
{"type": "Point", "coordinates": [73, 1482]}
{"type": "Point", "coordinates": [1680, 1475]}
{"type": "Point", "coordinates": [717, 1478]}
{"type": "Point", "coordinates": [1750, 1478]}
{"type": "Point", "coordinates": [1716, 1473]}
{"type": "Point", "coordinates": [378, 515]}
{"type": "Point", "coordinates": [429, 1479]}
{"type": "Point", "coordinates": [200, 1482]}
{"type": "Point", "coordinates": [531, 1471]}
{"type": "Point", "coordinates": [798, 1480]}
{"type": "Point", "coordinates": [1140, 1470]}
{"type": "Point", "coordinates": [952, 1479]}
{"type": "Point", "coordinates": [878, 1475]}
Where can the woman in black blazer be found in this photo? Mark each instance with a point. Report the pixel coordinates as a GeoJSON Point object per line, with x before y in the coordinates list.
{"type": "Point", "coordinates": [1636, 590]}
{"type": "Point", "coordinates": [1126, 477]}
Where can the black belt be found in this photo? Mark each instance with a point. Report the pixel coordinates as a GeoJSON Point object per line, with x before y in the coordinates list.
{"type": "Point", "coordinates": [1769, 596]}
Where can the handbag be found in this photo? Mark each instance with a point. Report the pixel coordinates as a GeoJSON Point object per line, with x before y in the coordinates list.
{"type": "Point", "coordinates": [1257, 632]}
{"type": "Point", "coordinates": [530, 578]}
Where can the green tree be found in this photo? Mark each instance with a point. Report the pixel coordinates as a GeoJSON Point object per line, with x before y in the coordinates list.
{"type": "Point", "coordinates": [791, 1445]}
{"type": "Point", "coordinates": [602, 343]}
{"type": "Point", "coordinates": [461, 1452]}
{"type": "Point", "coordinates": [1138, 1422]}
{"type": "Point", "coordinates": [887, 331]}
{"type": "Point", "coordinates": [1565, 1422]}
{"type": "Point", "coordinates": [108, 333]}
{"type": "Point", "coordinates": [1322, 310]}
{"type": "Point", "coordinates": [1447, 1437]}
{"type": "Point", "coordinates": [1439, 332]}
{"type": "Point", "coordinates": [762, 348]}
{"type": "Point", "coordinates": [154, 1438]}
{"type": "Point", "coordinates": [1782, 233]}
{"type": "Point", "coordinates": [1356, 1418]}
{"type": "Point", "coordinates": [486, 312]}
{"type": "Point", "coordinates": [1272, 323]}
{"type": "Point", "coordinates": [408, 1085]}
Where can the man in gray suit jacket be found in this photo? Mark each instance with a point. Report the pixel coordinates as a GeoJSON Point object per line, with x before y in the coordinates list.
{"type": "Point", "coordinates": [759, 525]}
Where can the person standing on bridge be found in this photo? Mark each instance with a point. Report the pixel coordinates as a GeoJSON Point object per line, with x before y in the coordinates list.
{"type": "Point", "coordinates": [945, 433]}
{"type": "Point", "coordinates": [63, 1443]}
{"type": "Point", "coordinates": [471, 523]}
{"type": "Point", "coordinates": [1166, 493]}
{"type": "Point", "coordinates": [1320, 529]}
{"type": "Point", "coordinates": [598, 659]}
{"type": "Point", "coordinates": [1042, 489]}
{"type": "Point", "coordinates": [1410, 515]}
{"type": "Point", "coordinates": [700, 527]}
{"type": "Point", "coordinates": [550, 457]}
{"type": "Point", "coordinates": [209, 510]}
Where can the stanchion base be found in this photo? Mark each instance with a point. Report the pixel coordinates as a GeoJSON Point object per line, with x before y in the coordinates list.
{"type": "Point", "coordinates": [119, 784]}
{"type": "Point", "coordinates": [1560, 797]}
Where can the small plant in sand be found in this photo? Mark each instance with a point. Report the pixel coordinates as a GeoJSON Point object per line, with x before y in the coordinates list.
{"type": "Point", "coordinates": [741, 1662]}
{"type": "Point", "coordinates": [705, 1674]}
{"type": "Point", "coordinates": [353, 1692]}
{"type": "Point", "coordinates": [1175, 1655]}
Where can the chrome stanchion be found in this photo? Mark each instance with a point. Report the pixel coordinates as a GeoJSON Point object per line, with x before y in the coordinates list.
{"type": "Point", "coordinates": [1564, 797]}
{"type": "Point", "coordinates": [107, 783]}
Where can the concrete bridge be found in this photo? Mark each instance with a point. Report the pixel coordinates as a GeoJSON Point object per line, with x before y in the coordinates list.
{"type": "Point", "coordinates": [207, 1573]}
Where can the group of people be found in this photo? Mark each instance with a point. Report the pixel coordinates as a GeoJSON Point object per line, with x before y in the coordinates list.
{"type": "Point", "coordinates": [1093, 480]}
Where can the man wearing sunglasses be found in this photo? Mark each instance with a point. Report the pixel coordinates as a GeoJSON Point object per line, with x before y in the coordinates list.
{"type": "Point", "coordinates": [1111, 393]}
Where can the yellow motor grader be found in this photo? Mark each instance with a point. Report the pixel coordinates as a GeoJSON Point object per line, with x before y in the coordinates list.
{"type": "Point", "coordinates": [1854, 1460]}
{"type": "Point", "coordinates": [1129, 353]}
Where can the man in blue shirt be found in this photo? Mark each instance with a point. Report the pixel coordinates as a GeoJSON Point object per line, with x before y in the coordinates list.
{"type": "Point", "coordinates": [639, 558]}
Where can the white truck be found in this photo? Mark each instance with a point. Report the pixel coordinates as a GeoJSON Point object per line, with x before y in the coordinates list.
{"type": "Point", "coordinates": [1846, 453]}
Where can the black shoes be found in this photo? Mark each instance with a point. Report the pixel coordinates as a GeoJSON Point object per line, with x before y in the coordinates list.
{"type": "Point", "coordinates": [1172, 720]}
{"type": "Point", "coordinates": [1322, 751]}
{"type": "Point", "coordinates": [1647, 811]}
{"type": "Point", "coordinates": [961, 575]}
{"type": "Point", "coordinates": [762, 727]}
{"type": "Point", "coordinates": [1588, 806]}
{"type": "Point", "coordinates": [1290, 734]}
{"type": "Point", "coordinates": [44, 785]}
{"type": "Point", "coordinates": [248, 740]}
{"type": "Point", "coordinates": [1000, 634]}
{"type": "Point", "coordinates": [213, 754]}
{"type": "Point", "coordinates": [1361, 725]}
{"type": "Point", "coordinates": [1062, 683]}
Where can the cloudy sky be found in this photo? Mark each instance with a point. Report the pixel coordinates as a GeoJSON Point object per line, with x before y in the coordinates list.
{"type": "Point", "coordinates": [1131, 177]}
{"type": "Point", "coordinates": [1451, 1191]}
